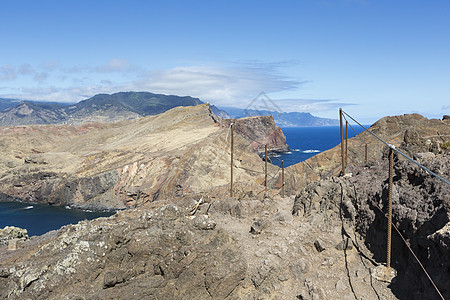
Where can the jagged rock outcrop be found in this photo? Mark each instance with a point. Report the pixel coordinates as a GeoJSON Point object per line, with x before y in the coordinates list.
{"type": "Point", "coordinates": [135, 254]}
{"type": "Point", "coordinates": [421, 212]}
{"type": "Point", "coordinates": [260, 131]}
{"type": "Point", "coordinates": [11, 232]}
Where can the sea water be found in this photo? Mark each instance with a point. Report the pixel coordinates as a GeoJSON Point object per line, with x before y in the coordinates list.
{"type": "Point", "coordinates": [305, 142]}
{"type": "Point", "coordinates": [38, 219]}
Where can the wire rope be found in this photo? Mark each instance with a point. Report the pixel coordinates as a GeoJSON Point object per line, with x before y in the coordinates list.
{"type": "Point", "coordinates": [398, 151]}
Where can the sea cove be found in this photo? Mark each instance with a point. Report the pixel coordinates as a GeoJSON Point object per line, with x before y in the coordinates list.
{"type": "Point", "coordinates": [40, 218]}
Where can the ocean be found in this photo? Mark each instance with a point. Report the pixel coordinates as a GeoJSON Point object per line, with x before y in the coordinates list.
{"type": "Point", "coordinates": [38, 219]}
{"type": "Point", "coordinates": [305, 142]}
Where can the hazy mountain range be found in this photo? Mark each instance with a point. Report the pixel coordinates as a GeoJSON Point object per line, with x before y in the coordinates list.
{"type": "Point", "coordinates": [130, 105]}
{"type": "Point", "coordinates": [283, 119]}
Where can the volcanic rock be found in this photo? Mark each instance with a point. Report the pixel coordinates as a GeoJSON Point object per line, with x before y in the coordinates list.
{"type": "Point", "coordinates": [421, 212]}
{"type": "Point", "coordinates": [11, 232]}
{"type": "Point", "coordinates": [260, 131]}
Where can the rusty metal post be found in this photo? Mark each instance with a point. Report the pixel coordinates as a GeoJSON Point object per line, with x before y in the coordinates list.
{"type": "Point", "coordinates": [282, 179]}
{"type": "Point", "coordinates": [265, 168]}
{"type": "Point", "coordinates": [365, 154]}
{"type": "Point", "coordinates": [232, 146]}
{"type": "Point", "coordinates": [389, 229]}
{"type": "Point", "coordinates": [346, 143]}
{"type": "Point", "coordinates": [342, 142]}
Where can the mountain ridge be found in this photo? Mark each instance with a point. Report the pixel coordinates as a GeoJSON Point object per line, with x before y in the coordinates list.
{"type": "Point", "coordinates": [131, 105]}
{"type": "Point", "coordinates": [99, 108]}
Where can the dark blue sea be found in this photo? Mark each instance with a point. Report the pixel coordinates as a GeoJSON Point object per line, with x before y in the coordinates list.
{"type": "Point", "coordinates": [305, 142]}
{"type": "Point", "coordinates": [39, 218]}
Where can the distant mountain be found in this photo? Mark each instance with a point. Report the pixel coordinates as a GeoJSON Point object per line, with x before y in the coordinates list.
{"type": "Point", "coordinates": [283, 119]}
{"type": "Point", "coordinates": [28, 112]}
{"type": "Point", "coordinates": [100, 108]}
{"type": "Point", "coordinates": [7, 103]}
{"type": "Point", "coordinates": [220, 112]}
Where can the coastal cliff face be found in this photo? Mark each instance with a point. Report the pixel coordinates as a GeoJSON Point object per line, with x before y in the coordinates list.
{"type": "Point", "coordinates": [124, 164]}
{"type": "Point", "coordinates": [414, 133]}
{"type": "Point", "coordinates": [260, 131]}
{"type": "Point", "coordinates": [421, 212]}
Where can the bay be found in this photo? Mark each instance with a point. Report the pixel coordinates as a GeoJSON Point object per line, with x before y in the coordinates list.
{"type": "Point", "coordinates": [38, 219]}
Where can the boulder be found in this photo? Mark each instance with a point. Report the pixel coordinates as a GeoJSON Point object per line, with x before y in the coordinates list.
{"type": "Point", "coordinates": [12, 233]}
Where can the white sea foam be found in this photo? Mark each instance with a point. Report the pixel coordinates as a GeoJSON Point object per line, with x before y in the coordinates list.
{"type": "Point", "coordinates": [311, 151]}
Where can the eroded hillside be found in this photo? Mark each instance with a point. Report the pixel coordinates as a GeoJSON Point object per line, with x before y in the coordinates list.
{"type": "Point", "coordinates": [117, 165]}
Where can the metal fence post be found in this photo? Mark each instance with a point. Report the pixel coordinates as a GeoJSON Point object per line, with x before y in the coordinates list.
{"type": "Point", "coordinates": [265, 168]}
{"type": "Point", "coordinates": [232, 146]}
{"type": "Point", "coordinates": [282, 178]}
{"type": "Point", "coordinates": [365, 154]}
{"type": "Point", "coordinates": [346, 143]}
{"type": "Point", "coordinates": [389, 231]}
{"type": "Point", "coordinates": [342, 142]}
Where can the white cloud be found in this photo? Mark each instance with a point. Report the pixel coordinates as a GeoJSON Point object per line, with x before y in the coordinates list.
{"type": "Point", "coordinates": [26, 69]}
{"type": "Point", "coordinates": [446, 107]}
{"type": "Point", "coordinates": [220, 85]}
{"type": "Point", "coordinates": [50, 65]}
{"type": "Point", "coordinates": [234, 85]}
{"type": "Point", "coordinates": [115, 65]}
{"type": "Point", "coordinates": [40, 77]}
{"type": "Point", "coordinates": [10, 73]}
{"type": "Point", "coordinates": [7, 73]}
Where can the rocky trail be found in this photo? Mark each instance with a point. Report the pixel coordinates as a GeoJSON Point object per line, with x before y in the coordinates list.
{"type": "Point", "coordinates": [241, 249]}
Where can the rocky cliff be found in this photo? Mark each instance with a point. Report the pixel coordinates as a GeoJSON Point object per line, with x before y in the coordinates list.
{"type": "Point", "coordinates": [118, 165]}
{"type": "Point", "coordinates": [421, 212]}
{"type": "Point", "coordinates": [260, 131]}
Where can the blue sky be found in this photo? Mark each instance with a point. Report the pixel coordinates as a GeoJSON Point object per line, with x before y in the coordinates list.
{"type": "Point", "coordinates": [373, 58]}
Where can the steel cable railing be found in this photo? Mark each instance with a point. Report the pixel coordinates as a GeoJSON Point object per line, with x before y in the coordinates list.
{"type": "Point", "coordinates": [398, 151]}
